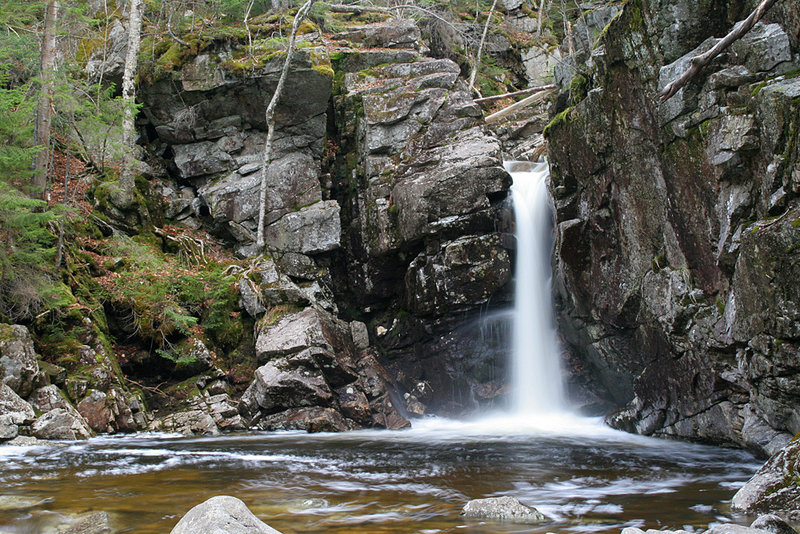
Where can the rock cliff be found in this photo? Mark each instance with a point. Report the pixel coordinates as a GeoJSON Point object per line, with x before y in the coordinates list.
{"type": "Point", "coordinates": [678, 222]}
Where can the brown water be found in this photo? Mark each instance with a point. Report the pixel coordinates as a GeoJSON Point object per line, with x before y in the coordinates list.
{"type": "Point", "coordinates": [583, 477]}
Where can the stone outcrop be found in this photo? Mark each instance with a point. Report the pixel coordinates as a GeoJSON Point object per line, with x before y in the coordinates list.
{"type": "Point", "coordinates": [315, 378]}
{"type": "Point", "coordinates": [222, 515]}
{"type": "Point", "coordinates": [677, 225]}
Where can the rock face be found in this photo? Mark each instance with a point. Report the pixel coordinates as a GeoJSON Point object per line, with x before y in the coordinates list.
{"type": "Point", "coordinates": [773, 488]}
{"type": "Point", "coordinates": [222, 515]}
{"type": "Point", "coordinates": [212, 124]}
{"type": "Point", "coordinates": [677, 225]}
{"type": "Point", "coordinates": [502, 509]}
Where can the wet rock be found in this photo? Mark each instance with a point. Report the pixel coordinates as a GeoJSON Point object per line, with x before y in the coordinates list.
{"type": "Point", "coordinates": [773, 523]}
{"type": "Point", "coordinates": [18, 365]}
{"type": "Point", "coordinates": [61, 424]}
{"type": "Point", "coordinates": [772, 488]}
{"type": "Point", "coordinates": [88, 523]}
{"type": "Point", "coordinates": [462, 273]}
{"type": "Point", "coordinates": [190, 422]}
{"type": "Point", "coordinates": [360, 334]}
{"type": "Point", "coordinates": [501, 509]}
{"type": "Point", "coordinates": [221, 515]}
{"type": "Point", "coordinates": [314, 419]}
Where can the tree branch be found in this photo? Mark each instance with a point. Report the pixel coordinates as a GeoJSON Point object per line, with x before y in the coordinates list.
{"type": "Point", "coordinates": [523, 92]}
{"type": "Point", "coordinates": [480, 49]}
{"type": "Point", "coordinates": [698, 62]}
{"type": "Point", "coordinates": [534, 98]}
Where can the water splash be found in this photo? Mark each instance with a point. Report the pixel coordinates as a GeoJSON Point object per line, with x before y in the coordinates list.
{"type": "Point", "coordinates": [537, 381]}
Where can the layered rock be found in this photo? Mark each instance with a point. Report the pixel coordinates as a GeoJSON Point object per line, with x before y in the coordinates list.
{"type": "Point", "coordinates": [314, 378]}
{"type": "Point", "coordinates": [673, 281]}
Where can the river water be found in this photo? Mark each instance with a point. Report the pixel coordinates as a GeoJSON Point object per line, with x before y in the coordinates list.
{"type": "Point", "coordinates": [584, 477]}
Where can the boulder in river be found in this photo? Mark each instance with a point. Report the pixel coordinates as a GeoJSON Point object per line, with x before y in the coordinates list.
{"type": "Point", "coordinates": [502, 509]}
{"type": "Point", "coordinates": [773, 523]}
{"type": "Point", "coordinates": [773, 489]}
{"type": "Point", "coordinates": [222, 514]}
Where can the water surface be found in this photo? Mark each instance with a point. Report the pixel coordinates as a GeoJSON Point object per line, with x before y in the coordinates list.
{"type": "Point", "coordinates": [584, 477]}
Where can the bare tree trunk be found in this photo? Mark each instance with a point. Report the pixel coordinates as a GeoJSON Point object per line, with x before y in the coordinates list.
{"type": "Point", "coordinates": [698, 62]}
{"type": "Point", "coordinates": [270, 119]}
{"type": "Point", "coordinates": [534, 98]}
{"type": "Point", "coordinates": [126, 177]}
{"type": "Point", "coordinates": [247, 27]}
{"type": "Point", "coordinates": [480, 49]}
{"type": "Point", "coordinates": [44, 114]}
{"type": "Point", "coordinates": [539, 18]}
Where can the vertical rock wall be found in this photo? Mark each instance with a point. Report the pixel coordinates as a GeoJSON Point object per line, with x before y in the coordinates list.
{"type": "Point", "coordinates": [678, 222]}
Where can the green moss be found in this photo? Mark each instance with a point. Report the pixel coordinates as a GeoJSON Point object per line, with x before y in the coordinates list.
{"type": "Point", "coordinates": [324, 70]}
{"type": "Point", "coordinates": [560, 118]}
{"type": "Point", "coordinates": [578, 88]}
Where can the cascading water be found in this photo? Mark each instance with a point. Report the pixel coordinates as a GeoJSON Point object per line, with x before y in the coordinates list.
{"type": "Point", "coordinates": [537, 382]}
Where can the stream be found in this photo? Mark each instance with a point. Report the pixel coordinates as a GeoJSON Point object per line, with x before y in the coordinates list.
{"type": "Point", "coordinates": [583, 476]}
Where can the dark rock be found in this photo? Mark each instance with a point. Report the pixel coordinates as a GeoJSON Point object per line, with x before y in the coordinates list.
{"type": "Point", "coordinates": [19, 368]}
{"type": "Point", "coordinates": [108, 412]}
{"type": "Point", "coordinates": [501, 509]}
{"type": "Point", "coordinates": [314, 419]}
{"type": "Point", "coordinates": [311, 230]}
{"type": "Point", "coordinates": [221, 515]}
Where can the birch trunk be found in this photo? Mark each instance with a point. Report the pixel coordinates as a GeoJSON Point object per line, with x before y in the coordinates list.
{"type": "Point", "coordinates": [270, 119]}
{"type": "Point", "coordinates": [480, 50]}
{"type": "Point", "coordinates": [126, 178]}
{"type": "Point", "coordinates": [44, 113]}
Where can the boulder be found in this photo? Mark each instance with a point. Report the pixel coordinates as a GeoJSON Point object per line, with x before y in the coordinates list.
{"type": "Point", "coordinates": [773, 523]}
{"type": "Point", "coordinates": [8, 428]}
{"type": "Point", "coordinates": [222, 409]}
{"type": "Point", "coordinates": [110, 412]}
{"type": "Point", "coordinates": [501, 509]}
{"type": "Point", "coordinates": [287, 382]}
{"type": "Point", "coordinates": [221, 515]}
{"type": "Point", "coordinates": [188, 422]}
{"type": "Point", "coordinates": [299, 331]}
{"type": "Point", "coordinates": [12, 405]}
{"type": "Point", "coordinates": [88, 523]}
{"type": "Point", "coordinates": [398, 33]}
{"type": "Point", "coordinates": [729, 528]}
{"type": "Point", "coordinates": [772, 490]}
{"type": "Point", "coordinates": [314, 419]}
{"type": "Point", "coordinates": [61, 424]}
{"type": "Point", "coordinates": [18, 365]}
{"type": "Point", "coordinates": [193, 358]}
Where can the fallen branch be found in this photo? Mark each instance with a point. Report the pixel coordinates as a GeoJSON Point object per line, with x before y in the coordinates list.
{"type": "Point", "coordinates": [533, 99]}
{"type": "Point", "coordinates": [523, 92]}
{"type": "Point", "coordinates": [698, 62]}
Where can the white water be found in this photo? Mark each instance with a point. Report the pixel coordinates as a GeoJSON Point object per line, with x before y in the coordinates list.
{"type": "Point", "coordinates": [536, 374]}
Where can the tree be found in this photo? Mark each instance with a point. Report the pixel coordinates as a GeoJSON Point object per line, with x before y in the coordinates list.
{"type": "Point", "coordinates": [44, 113]}
{"type": "Point", "coordinates": [126, 178]}
{"type": "Point", "coordinates": [270, 118]}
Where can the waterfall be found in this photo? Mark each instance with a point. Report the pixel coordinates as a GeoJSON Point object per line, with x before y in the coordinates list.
{"type": "Point", "coordinates": [536, 373]}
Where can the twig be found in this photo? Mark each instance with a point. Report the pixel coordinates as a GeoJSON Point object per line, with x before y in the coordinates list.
{"type": "Point", "coordinates": [698, 62]}
{"type": "Point", "coordinates": [480, 49]}
{"type": "Point", "coordinates": [172, 34]}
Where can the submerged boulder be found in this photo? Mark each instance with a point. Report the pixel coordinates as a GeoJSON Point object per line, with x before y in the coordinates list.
{"type": "Point", "coordinates": [222, 515]}
{"type": "Point", "coordinates": [502, 509]}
